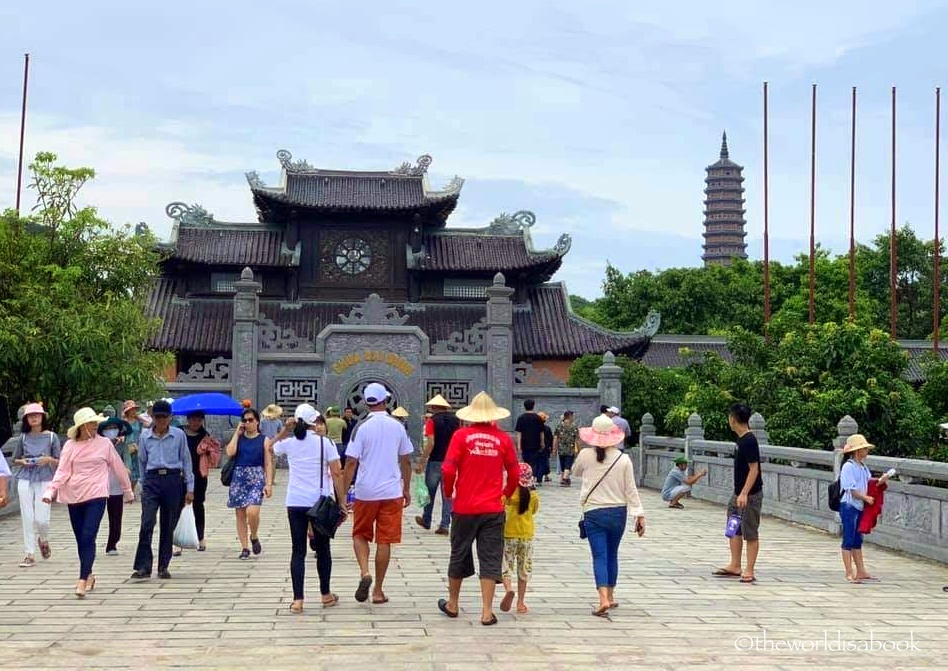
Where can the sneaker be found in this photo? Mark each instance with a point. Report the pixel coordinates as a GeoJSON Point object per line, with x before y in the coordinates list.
{"type": "Point", "coordinates": [244, 554]}
{"type": "Point", "coordinates": [112, 553]}
{"type": "Point", "coordinates": [28, 561]}
{"type": "Point", "coordinates": [164, 574]}
{"type": "Point", "coordinates": [138, 574]}
{"type": "Point", "coordinates": [255, 544]}
{"type": "Point", "coordinates": [441, 531]}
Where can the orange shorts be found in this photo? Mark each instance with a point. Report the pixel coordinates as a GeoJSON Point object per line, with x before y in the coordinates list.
{"type": "Point", "coordinates": [378, 521]}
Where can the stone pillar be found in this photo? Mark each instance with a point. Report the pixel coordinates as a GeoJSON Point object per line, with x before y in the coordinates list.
{"type": "Point", "coordinates": [610, 381]}
{"type": "Point", "coordinates": [243, 370]}
{"type": "Point", "coordinates": [498, 345]}
{"type": "Point", "coordinates": [638, 453]}
{"type": "Point", "coordinates": [847, 426]}
{"type": "Point", "coordinates": [694, 431]}
{"type": "Point", "coordinates": [759, 428]}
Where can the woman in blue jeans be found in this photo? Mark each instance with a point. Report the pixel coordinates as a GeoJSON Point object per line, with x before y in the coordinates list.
{"type": "Point", "coordinates": [854, 482]}
{"type": "Point", "coordinates": [608, 495]}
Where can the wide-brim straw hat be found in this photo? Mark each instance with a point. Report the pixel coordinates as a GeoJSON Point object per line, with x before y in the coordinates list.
{"type": "Point", "coordinates": [272, 411]}
{"type": "Point", "coordinates": [855, 442]}
{"type": "Point", "coordinates": [399, 412]}
{"type": "Point", "coordinates": [602, 433]}
{"type": "Point", "coordinates": [83, 416]}
{"type": "Point", "coordinates": [438, 401]}
{"type": "Point", "coordinates": [482, 409]}
{"type": "Point", "coordinates": [128, 405]}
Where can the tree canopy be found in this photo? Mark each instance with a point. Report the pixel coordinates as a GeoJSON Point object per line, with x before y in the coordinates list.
{"type": "Point", "coordinates": [72, 289]}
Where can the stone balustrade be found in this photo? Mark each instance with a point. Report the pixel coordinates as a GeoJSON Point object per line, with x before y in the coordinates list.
{"type": "Point", "coordinates": [796, 483]}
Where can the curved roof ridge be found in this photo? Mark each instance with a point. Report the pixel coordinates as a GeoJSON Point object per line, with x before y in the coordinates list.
{"type": "Point", "coordinates": [648, 330]}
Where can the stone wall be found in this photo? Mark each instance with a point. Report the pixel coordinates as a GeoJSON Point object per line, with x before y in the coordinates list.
{"type": "Point", "coordinates": [796, 483]}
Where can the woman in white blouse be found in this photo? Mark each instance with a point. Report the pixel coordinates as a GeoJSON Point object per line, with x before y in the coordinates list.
{"type": "Point", "coordinates": [608, 495]}
{"type": "Point", "coordinates": [314, 471]}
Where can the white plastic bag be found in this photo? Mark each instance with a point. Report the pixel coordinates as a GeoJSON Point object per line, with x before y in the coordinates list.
{"type": "Point", "coordinates": [186, 533]}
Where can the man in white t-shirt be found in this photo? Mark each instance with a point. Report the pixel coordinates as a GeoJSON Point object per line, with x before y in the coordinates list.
{"type": "Point", "coordinates": [380, 449]}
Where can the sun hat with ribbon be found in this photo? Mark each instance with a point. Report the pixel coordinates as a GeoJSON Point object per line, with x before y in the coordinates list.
{"type": "Point", "coordinates": [482, 409]}
{"type": "Point", "coordinates": [82, 417]}
{"type": "Point", "coordinates": [602, 433]}
{"type": "Point", "coordinates": [306, 413]}
{"type": "Point", "coordinates": [855, 442]}
{"type": "Point", "coordinates": [526, 475]}
{"type": "Point", "coordinates": [438, 401]}
{"type": "Point", "coordinates": [33, 409]}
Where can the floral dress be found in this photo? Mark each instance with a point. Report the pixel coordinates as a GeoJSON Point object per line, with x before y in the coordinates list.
{"type": "Point", "coordinates": [246, 487]}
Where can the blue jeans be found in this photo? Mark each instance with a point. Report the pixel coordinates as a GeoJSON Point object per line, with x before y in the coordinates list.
{"type": "Point", "coordinates": [433, 481]}
{"type": "Point", "coordinates": [85, 518]}
{"type": "Point", "coordinates": [604, 529]}
{"type": "Point", "coordinates": [850, 515]}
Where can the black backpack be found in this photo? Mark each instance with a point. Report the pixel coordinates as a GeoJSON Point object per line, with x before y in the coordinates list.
{"type": "Point", "coordinates": [835, 495]}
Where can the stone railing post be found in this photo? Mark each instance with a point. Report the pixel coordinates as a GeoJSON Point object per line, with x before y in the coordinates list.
{"type": "Point", "coordinates": [758, 426]}
{"type": "Point", "coordinates": [243, 370]}
{"type": "Point", "coordinates": [847, 426]}
{"type": "Point", "coordinates": [694, 431]}
{"type": "Point", "coordinates": [610, 381]}
{"type": "Point", "coordinates": [498, 345]}
{"type": "Point", "coordinates": [638, 453]}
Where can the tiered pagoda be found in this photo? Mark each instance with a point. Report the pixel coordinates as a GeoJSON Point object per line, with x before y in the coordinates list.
{"type": "Point", "coordinates": [327, 239]}
{"type": "Point", "coordinates": [724, 234]}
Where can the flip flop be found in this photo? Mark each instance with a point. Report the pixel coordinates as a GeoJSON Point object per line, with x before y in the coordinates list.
{"type": "Point", "coordinates": [522, 610]}
{"type": "Point", "coordinates": [443, 607]}
{"type": "Point", "coordinates": [724, 573]}
{"type": "Point", "coordinates": [614, 604]}
{"type": "Point", "coordinates": [377, 602]}
{"type": "Point", "coordinates": [332, 602]}
{"type": "Point", "coordinates": [869, 578]}
{"type": "Point", "coordinates": [492, 621]}
{"type": "Point", "coordinates": [362, 593]}
{"type": "Point", "coordinates": [748, 579]}
{"type": "Point", "coordinates": [601, 612]}
{"type": "Point", "coordinates": [677, 505]}
{"type": "Point", "coordinates": [506, 602]}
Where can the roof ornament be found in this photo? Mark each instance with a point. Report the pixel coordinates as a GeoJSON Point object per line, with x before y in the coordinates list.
{"type": "Point", "coordinates": [286, 160]}
{"type": "Point", "coordinates": [563, 244]}
{"type": "Point", "coordinates": [190, 215]}
{"type": "Point", "coordinates": [724, 153]}
{"type": "Point", "coordinates": [417, 170]}
{"type": "Point", "coordinates": [253, 179]}
{"type": "Point", "coordinates": [373, 311]}
{"type": "Point", "coordinates": [513, 224]}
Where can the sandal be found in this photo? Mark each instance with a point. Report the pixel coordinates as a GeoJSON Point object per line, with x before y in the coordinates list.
{"type": "Point", "coordinates": [676, 505]}
{"type": "Point", "coordinates": [748, 579]}
{"type": "Point", "coordinates": [296, 606]}
{"type": "Point", "coordinates": [507, 601]}
{"type": "Point", "coordinates": [45, 550]}
{"type": "Point", "coordinates": [27, 562]}
{"type": "Point", "coordinates": [724, 573]}
{"type": "Point", "coordinates": [443, 607]}
{"type": "Point", "coordinates": [333, 601]}
{"type": "Point", "coordinates": [362, 592]}
{"type": "Point", "coordinates": [602, 611]}
{"type": "Point", "coordinates": [523, 610]}
{"type": "Point", "coordinates": [80, 591]}
{"type": "Point", "coordinates": [379, 601]}
{"type": "Point", "coordinates": [492, 621]}
{"type": "Point", "coordinates": [614, 604]}
{"type": "Point", "coordinates": [90, 583]}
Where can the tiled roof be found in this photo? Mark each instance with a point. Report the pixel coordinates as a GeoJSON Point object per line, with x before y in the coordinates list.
{"type": "Point", "coordinates": [676, 351]}
{"type": "Point", "coordinates": [543, 328]}
{"type": "Point", "coordinates": [250, 247]}
{"type": "Point", "coordinates": [492, 253]}
{"type": "Point", "coordinates": [919, 352]}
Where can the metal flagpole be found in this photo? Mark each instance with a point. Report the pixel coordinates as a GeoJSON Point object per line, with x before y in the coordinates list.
{"type": "Point", "coordinates": [893, 245]}
{"type": "Point", "coordinates": [813, 208]}
{"type": "Point", "coordinates": [766, 225]}
{"type": "Point", "coordinates": [19, 171]}
{"type": "Point", "coordinates": [852, 217]}
{"type": "Point", "coordinates": [937, 241]}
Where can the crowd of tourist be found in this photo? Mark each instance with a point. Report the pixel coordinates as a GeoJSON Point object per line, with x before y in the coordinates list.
{"type": "Point", "coordinates": [340, 466]}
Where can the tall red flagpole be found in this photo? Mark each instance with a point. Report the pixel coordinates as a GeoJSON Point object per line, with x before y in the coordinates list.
{"type": "Point", "coordinates": [813, 208]}
{"type": "Point", "coordinates": [766, 225]}
{"type": "Point", "coordinates": [19, 171]}
{"type": "Point", "coordinates": [852, 217]}
{"type": "Point", "coordinates": [937, 242]}
{"type": "Point", "coordinates": [893, 244]}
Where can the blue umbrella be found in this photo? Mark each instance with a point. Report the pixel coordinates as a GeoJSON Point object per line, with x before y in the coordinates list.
{"type": "Point", "coordinates": [209, 404]}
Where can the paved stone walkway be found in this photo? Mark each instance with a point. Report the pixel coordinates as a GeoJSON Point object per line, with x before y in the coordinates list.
{"type": "Point", "coordinates": [218, 612]}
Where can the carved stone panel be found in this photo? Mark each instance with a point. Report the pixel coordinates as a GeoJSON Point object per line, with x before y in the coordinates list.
{"type": "Point", "coordinates": [215, 370]}
{"type": "Point", "coordinates": [373, 311]}
{"type": "Point", "coordinates": [720, 477]}
{"type": "Point", "coordinates": [275, 338]}
{"type": "Point", "coordinates": [469, 341]}
{"type": "Point", "coordinates": [800, 491]}
{"type": "Point", "coordinates": [244, 369]}
{"type": "Point", "coordinates": [455, 392]}
{"type": "Point", "coordinates": [289, 393]}
{"type": "Point", "coordinates": [910, 513]}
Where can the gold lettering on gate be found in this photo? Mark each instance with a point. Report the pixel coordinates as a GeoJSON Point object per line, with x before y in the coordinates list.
{"type": "Point", "coordinates": [392, 359]}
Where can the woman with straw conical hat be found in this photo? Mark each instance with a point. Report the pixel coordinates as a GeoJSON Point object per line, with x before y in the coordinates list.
{"type": "Point", "coordinates": [478, 457]}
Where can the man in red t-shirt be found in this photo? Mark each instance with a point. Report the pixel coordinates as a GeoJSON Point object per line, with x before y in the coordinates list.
{"type": "Point", "coordinates": [478, 456]}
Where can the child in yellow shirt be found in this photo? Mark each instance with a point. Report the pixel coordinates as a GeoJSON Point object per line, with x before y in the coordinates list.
{"type": "Point", "coordinates": [518, 539]}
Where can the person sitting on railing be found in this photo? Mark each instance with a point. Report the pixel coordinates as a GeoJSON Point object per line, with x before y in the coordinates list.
{"type": "Point", "coordinates": [678, 483]}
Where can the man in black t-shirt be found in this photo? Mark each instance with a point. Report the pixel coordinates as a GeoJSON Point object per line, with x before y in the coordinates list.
{"type": "Point", "coordinates": [439, 430]}
{"type": "Point", "coordinates": [747, 498]}
{"type": "Point", "coordinates": [530, 440]}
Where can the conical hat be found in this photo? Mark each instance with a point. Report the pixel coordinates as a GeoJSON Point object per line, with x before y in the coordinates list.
{"type": "Point", "coordinates": [399, 412]}
{"type": "Point", "coordinates": [482, 409]}
{"type": "Point", "coordinates": [438, 402]}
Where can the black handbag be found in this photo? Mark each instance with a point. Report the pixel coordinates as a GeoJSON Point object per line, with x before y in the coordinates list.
{"type": "Point", "coordinates": [227, 470]}
{"type": "Point", "coordinates": [582, 520]}
{"type": "Point", "coordinates": [326, 515]}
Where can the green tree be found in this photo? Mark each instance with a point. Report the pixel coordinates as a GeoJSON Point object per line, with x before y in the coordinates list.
{"type": "Point", "coordinates": [72, 290]}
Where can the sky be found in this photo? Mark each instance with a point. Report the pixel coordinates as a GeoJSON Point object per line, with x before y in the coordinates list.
{"type": "Point", "coordinates": [599, 116]}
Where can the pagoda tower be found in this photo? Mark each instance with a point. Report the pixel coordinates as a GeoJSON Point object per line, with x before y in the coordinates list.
{"type": "Point", "coordinates": [724, 211]}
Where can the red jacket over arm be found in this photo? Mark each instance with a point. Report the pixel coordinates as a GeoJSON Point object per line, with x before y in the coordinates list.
{"type": "Point", "coordinates": [870, 514]}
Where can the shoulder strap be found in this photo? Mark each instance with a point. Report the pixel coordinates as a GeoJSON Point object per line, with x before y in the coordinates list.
{"type": "Point", "coordinates": [602, 478]}
{"type": "Point", "coordinates": [322, 466]}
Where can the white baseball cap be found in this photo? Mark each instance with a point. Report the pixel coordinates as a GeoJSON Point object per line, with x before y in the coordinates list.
{"type": "Point", "coordinates": [306, 413]}
{"type": "Point", "coordinates": [375, 393]}
{"type": "Point", "coordinates": [613, 409]}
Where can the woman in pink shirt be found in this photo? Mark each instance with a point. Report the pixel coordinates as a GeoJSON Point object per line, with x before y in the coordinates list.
{"type": "Point", "coordinates": [82, 482]}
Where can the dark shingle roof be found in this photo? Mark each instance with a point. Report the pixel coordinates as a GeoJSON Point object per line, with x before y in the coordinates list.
{"type": "Point", "coordinates": [451, 251]}
{"type": "Point", "coordinates": [676, 351]}
{"type": "Point", "coordinates": [920, 351]}
{"type": "Point", "coordinates": [543, 328]}
{"type": "Point", "coordinates": [250, 247]}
